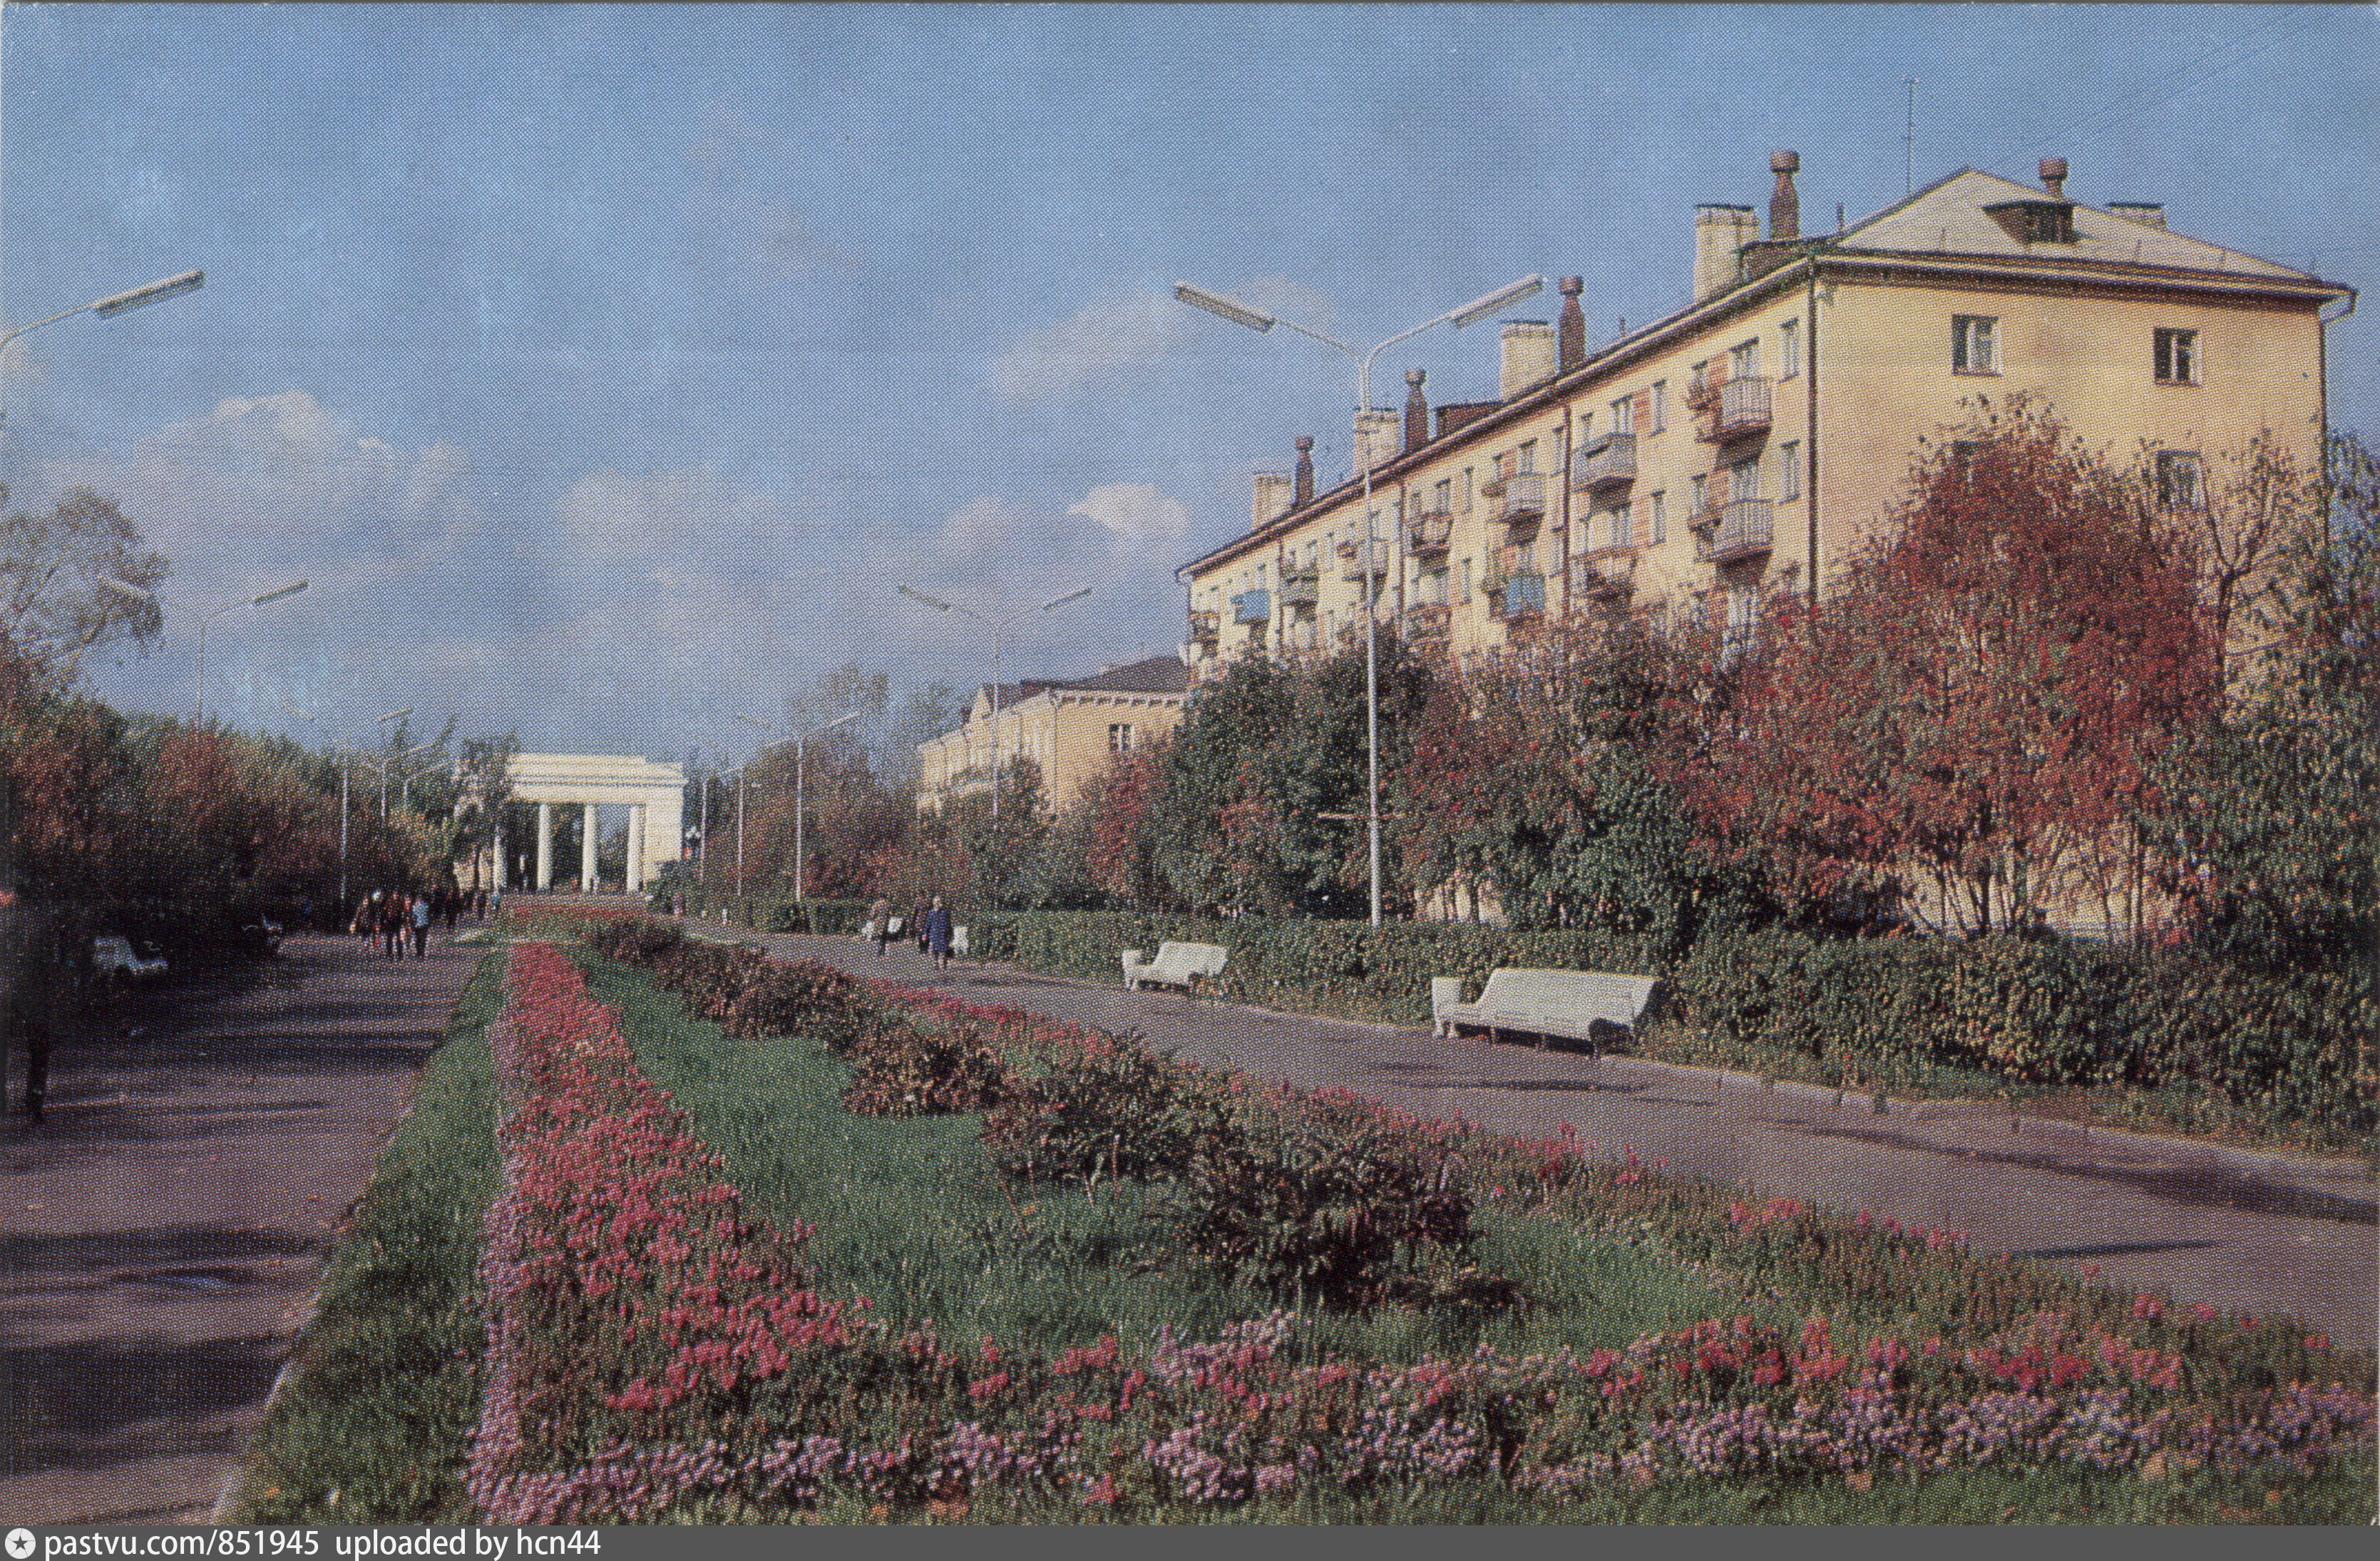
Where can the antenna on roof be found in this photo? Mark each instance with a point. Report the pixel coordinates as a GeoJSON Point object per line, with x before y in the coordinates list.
{"type": "Point", "coordinates": [1909, 140]}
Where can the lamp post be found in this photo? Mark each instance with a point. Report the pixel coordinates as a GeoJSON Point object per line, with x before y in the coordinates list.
{"type": "Point", "coordinates": [345, 753]}
{"type": "Point", "coordinates": [998, 627]}
{"type": "Point", "coordinates": [113, 305]}
{"type": "Point", "coordinates": [199, 701]}
{"type": "Point", "coordinates": [801, 862]}
{"type": "Point", "coordinates": [1256, 319]}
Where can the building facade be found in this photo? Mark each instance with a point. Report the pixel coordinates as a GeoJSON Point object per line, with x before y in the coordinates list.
{"type": "Point", "coordinates": [1071, 731]}
{"type": "Point", "coordinates": [1742, 445]}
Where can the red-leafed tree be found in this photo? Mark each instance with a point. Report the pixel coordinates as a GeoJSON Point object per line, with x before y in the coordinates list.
{"type": "Point", "coordinates": [1122, 857]}
{"type": "Point", "coordinates": [1975, 709]}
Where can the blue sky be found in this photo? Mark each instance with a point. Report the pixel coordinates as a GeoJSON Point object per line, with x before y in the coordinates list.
{"type": "Point", "coordinates": [606, 370]}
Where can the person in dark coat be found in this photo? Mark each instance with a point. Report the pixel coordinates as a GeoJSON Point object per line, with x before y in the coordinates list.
{"type": "Point", "coordinates": [938, 933]}
{"type": "Point", "coordinates": [38, 976]}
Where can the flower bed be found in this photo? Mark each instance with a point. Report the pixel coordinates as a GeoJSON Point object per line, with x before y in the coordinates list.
{"type": "Point", "coordinates": [656, 1352]}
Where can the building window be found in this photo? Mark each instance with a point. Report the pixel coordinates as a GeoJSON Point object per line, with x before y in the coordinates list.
{"type": "Point", "coordinates": [1623, 415]}
{"type": "Point", "coordinates": [1743, 479]}
{"type": "Point", "coordinates": [1789, 475]}
{"type": "Point", "coordinates": [1444, 496]}
{"type": "Point", "coordinates": [1528, 458]}
{"type": "Point", "coordinates": [1657, 518]}
{"type": "Point", "coordinates": [1623, 526]}
{"type": "Point", "coordinates": [2181, 483]}
{"type": "Point", "coordinates": [1119, 737]}
{"type": "Point", "coordinates": [1743, 363]}
{"type": "Point", "coordinates": [1698, 497]}
{"type": "Point", "coordinates": [1466, 490]}
{"type": "Point", "coordinates": [1973, 348]}
{"type": "Point", "coordinates": [1586, 428]}
{"type": "Point", "coordinates": [1465, 598]}
{"type": "Point", "coordinates": [1788, 347]}
{"type": "Point", "coordinates": [1660, 405]}
{"type": "Point", "coordinates": [2177, 356]}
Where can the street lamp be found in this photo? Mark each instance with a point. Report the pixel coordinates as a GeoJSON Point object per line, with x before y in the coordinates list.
{"type": "Point", "coordinates": [801, 862]}
{"type": "Point", "coordinates": [345, 753]}
{"type": "Point", "coordinates": [199, 704]}
{"type": "Point", "coordinates": [1256, 319]}
{"type": "Point", "coordinates": [996, 628]}
{"type": "Point", "coordinates": [114, 304]}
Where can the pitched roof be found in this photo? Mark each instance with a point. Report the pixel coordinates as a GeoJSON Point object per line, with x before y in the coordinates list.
{"type": "Point", "coordinates": [1157, 675]}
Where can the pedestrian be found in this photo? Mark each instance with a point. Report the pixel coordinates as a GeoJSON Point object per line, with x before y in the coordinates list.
{"type": "Point", "coordinates": [917, 926]}
{"type": "Point", "coordinates": [495, 902]}
{"type": "Point", "coordinates": [421, 926]}
{"type": "Point", "coordinates": [451, 902]}
{"type": "Point", "coordinates": [366, 926]}
{"type": "Point", "coordinates": [938, 933]}
{"type": "Point", "coordinates": [391, 925]}
{"type": "Point", "coordinates": [36, 990]}
{"type": "Point", "coordinates": [880, 922]}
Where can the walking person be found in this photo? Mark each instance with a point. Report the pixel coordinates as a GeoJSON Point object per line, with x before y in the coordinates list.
{"type": "Point", "coordinates": [938, 933]}
{"type": "Point", "coordinates": [880, 922]}
{"type": "Point", "coordinates": [421, 926]}
{"type": "Point", "coordinates": [36, 991]}
{"type": "Point", "coordinates": [916, 928]}
{"type": "Point", "coordinates": [366, 926]}
{"type": "Point", "coordinates": [391, 925]}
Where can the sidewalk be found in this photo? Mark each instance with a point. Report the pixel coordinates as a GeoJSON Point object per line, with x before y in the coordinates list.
{"type": "Point", "coordinates": [2264, 1233]}
{"type": "Point", "coordinates": [160, 1234]}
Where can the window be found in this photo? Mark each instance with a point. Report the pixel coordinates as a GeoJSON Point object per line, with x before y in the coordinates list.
{"type": "Point", "coordinates": [1622, 527]}
{"type": "Point", "coordinates": [1698, 501]}
{"type": "Point", "coordinates": [1466, 490]}
{"type": "Point", "coordinates": [1528, 458]}
{"type": "Point", "coordinates": [1623, 415]}
{"type": "Point", "coordinates": [2177, 356]}
{"type": "Point", "coordinates": [1466, 597]}
{"type": "Point", "coordinates": [1661, 418]}
{"type": "Point", "coordinates": [1443, 495]}
{"type": "Point", "coordinates": [1972, 346]}
{"type": "Point", "coordinates": [1743, 479]}
{"type": "Point", "coordinates": [1432, 589]}
{"type": "Point", "coordinates": [2181, 484]}
{"type": "Point", "coordinates": [1788, 347]}
{"type": "Point", "coordinates": [1524, 558]}
{"type": "Point", "coordinates": [1788, 474]}
{"type": "Point", "coordinates": [1743, 363]}
{"type": "Point", "coordinates": [1657, 518]}
{"type": "Point", "coordinates": [1586, 428]}
{"type": "Point", "coordinates": [1119, 737]}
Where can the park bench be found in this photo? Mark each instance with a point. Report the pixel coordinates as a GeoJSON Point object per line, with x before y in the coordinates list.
{"type": "Point", "coordinates": [1177, 964]}
{"type": "Point", "coordinates": [1585, 1006]}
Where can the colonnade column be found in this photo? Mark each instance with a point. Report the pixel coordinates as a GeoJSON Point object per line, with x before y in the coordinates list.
{"type": "Point", "coordinates": [586, 850]}
{"type": "Point", "coordinates": [503, 868]}
{"type": "Point", "coordinates": [544, 847]}
{"type": "Point", "coordinates": [635, 868]}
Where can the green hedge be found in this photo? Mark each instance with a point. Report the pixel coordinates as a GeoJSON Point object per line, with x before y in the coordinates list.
{"type": "Point", "coordinates": [776, 911]}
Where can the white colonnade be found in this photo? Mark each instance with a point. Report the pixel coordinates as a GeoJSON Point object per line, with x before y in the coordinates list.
{"type": "Point", "coordinates": [653, 794]}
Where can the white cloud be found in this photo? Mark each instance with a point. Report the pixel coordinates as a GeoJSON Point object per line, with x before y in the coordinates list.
{"type": "Point", "coordinates": [1135, 513]}
{"type": "Point", "coordinates": [1110, 344]}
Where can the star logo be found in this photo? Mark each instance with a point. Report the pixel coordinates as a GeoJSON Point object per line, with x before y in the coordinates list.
{"type": "Point", "coordinates": [21, 1543]}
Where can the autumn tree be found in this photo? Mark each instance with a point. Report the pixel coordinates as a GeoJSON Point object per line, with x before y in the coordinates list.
{"type": "Point", "coordinates": [54, 602]}
{"type": "Point", "coordinates": [1979, 703]}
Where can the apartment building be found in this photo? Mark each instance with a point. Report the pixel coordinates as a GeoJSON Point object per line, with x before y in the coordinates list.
{"type": "Point", "coordinates": [1740, 447]}
{"type": "Point", "coordinates": [1071, 730]}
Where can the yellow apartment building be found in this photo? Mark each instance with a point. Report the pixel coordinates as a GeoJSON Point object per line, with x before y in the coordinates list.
{"type": "Point", "coordinates": [1740, 447]}
{"type": "Point", "coordinates": [1071, 730]}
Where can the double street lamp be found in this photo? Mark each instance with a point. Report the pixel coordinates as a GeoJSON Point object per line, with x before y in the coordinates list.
{"type": "Point", "coordinates": [801, 862]}
{"type": "Point", "coordinates": [998, 627]}
{"type": "Point", "coordinates": [198, 702]}
{"type": "Point", "coordinates": [346, 753]}
{"type": "Point", "coordinates": [1256, 319]}
{"type": "Point", "coordinates": [113, 305]}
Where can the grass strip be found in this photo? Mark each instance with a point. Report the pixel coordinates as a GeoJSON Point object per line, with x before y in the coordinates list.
{"type": "Point", "coordinates": [376, 1421]}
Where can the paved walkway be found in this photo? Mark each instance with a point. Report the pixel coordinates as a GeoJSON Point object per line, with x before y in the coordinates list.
{"type": "Point", "coordinates": [2268, 1233]}
{"type": "Point", "coordinates": [161, 1234]}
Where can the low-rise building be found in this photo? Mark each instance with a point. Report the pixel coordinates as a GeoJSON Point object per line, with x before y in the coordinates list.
{"type": "Point", "coordinates": [1071, 729]}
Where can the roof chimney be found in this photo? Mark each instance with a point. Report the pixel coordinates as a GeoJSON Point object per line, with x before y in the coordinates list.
{"type": "Point", "coordinates": [1274, 493]}
{"type": "Point", "coordinates": [1573, 325]}
{"type": "Point", "coordinates": [2053, 176]}
{"type": "Point", "coordinates": [2148, 214]}
{"type": "Point", "coordinates": [1719, 232]}
{"type": "Point", "coordinates": [1376, 438]}
{"type": "Point", "coordinates": [1784, 206]}
{"type": "Point", "coordinates": [1528, 357]}
{"type": "Point", "coordinates": [1305, 469]}
{"type": "Point", "coordinates": [1416, 411]}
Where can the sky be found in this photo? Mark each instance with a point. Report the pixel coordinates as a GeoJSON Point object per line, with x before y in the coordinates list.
{"type": "Point", "coordinates": [604, 372]}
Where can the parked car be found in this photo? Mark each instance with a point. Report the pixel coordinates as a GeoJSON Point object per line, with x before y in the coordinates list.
{"type": "Point", "coordinates": [116, 959]}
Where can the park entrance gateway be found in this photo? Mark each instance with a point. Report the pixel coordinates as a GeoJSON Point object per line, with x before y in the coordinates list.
{"type": "Point", "coordinates": [653, 794]}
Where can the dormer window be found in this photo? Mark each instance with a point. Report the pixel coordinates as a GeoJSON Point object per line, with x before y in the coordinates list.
{"type": "Point", "coordinates": [2035, 222]}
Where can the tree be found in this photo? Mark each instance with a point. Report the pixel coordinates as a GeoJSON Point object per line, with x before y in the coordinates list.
{"type": "Point", "coordinates": [2237, 522]}
{"type": "Point", "coordinates": [1981, 705]}
{"type": "Point", "coordinates": [52, 567]}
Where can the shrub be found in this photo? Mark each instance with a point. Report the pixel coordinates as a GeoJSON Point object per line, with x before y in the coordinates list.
{"type": "Point", "coordinates": [1125, 1112]}
{"type": "Point", "coordinates": [904, 1069]}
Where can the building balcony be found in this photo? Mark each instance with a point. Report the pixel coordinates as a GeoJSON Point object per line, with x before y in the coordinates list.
{"type": "Point", "coordinates": [1427, 536]}
{"type": "Point", "coordinates": [1353, 555]}
{"type": "Point", "coordinates": [1252, 606]}
{"type": "Point", "coordinates": [1301, 587]}
{"type": "Point", "coordinates": [1519, 500]}
{"type": "Point", "coordinates": [1733, 409]}
{"type": "Point", "coordinates": [1205, 624]}
{"type": "Point", "coordinates": [1609, 462]}
{"type": "Point", "coordinates": [1738, 529]}
{"type": "Point", "coordinates": [1429, 625]}
{"type": "Point", "coordinates": [1519, 596]}
{"type": "Point", "coordinates": [1604, 574]}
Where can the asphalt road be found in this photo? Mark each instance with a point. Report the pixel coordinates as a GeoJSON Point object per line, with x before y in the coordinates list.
{"type": "Point", "coordinates": [2267, 1234]}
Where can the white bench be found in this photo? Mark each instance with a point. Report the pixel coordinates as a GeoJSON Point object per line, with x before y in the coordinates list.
{"type": "Point", "coordinates": [959, 949]}
{"type": "Point", "coordinates": [1177, 964]}
{"type": "Point", "coordinates": [1576, 1005]}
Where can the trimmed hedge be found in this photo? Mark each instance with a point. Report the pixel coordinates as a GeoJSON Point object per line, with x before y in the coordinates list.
{"type": "Point", "coordinates": [776, 911]}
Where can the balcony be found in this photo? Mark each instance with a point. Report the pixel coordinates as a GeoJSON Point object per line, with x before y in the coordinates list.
{"type": "Point", "coordinates": [1520, 499]}
{"type": "Point", "coordinates": [1733, 409]}
{"type": "Point", "coordinates": [1354, 555]}
{"type": "Point", "coordinates": [1252, 606]}
{"type": "Point", "coordinates": [1301, 586]}
{"type": "Point", "coordinates": [1609, 462]}
{"type": "Point", "coordinates": [1427, 536]}
{"type": "Point", "coordinates": [1429, 625]}
{"type": "Point", "coordinates": [1738, 529]}
{"type": "Point", "coordinates": [1605, 574]}
{"type": "Point", "coordinates": [1205, 624]}
{"type": "Point", "coordinates": [1520, 596]}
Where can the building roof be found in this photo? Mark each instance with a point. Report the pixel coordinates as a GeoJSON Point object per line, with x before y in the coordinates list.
{"type": "Point", "coordinates": [1157, 675]}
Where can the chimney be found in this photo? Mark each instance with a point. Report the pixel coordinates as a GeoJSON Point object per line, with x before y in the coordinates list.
{"type": "Point", "coordinates": [1305, 469]}
{"type": "Point", "coordinates": [1719, 232]}
{"type": "Point", "coordinates": [1416, 411]}
{"type": "Point", "coordinates": [2148, 214]}
{"type": "Point", "coordinates": [2053, 176]}
{"type": "Point", "coordinates": [1573, 325]}
{"type": "Point", "coordinates": [1376, 439]}
{"type": "Point", "coordinates": [1273, 497]}
{"type": "Point", "coordinates": [1528, 357]}
{"type": "Point", "coordinates": [1784, 206]}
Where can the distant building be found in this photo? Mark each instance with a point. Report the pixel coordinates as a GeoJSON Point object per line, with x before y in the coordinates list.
{"type": "Point", "coordinates": [1070, 729]}
{"type": "Point", "coordinates": [1744, 445]}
